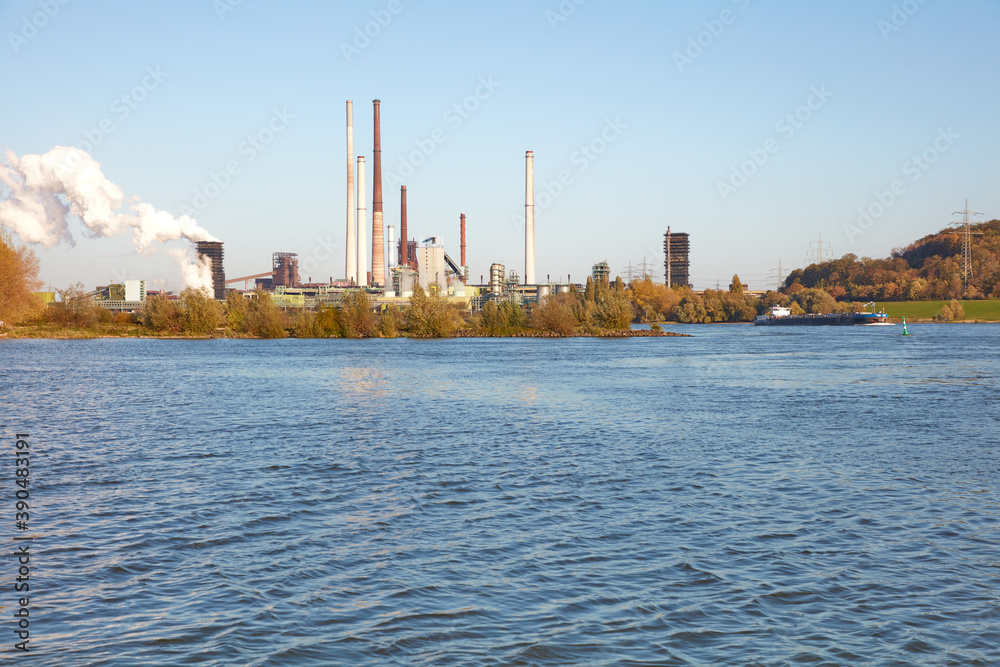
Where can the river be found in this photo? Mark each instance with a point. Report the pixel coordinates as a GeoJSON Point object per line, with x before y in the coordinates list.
{"type": "Point", "coordinates": [752, 496]}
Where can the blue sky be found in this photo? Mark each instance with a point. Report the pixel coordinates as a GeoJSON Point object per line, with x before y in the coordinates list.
{"type": "Point", "coordinates": [684, 108]}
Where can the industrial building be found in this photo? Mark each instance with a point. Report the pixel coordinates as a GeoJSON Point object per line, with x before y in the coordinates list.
{"type": "Point", "coordinates": [676, 259]}
{"type": "Point", "coordinates": [127, 296]}
{"type": "Point", "coordinates": [213, 250]}
{"type": "Point", "coordinates": [285, 269]}
{"type": "Point", "coordinates": [388, 267]}
{"type": "Point", "coordinates": [601, 272]}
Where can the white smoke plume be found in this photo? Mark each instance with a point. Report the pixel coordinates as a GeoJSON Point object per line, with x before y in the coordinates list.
{"type": "Point", "coordinates": [45, 191]}
{"type": "Point", "coordinates": [195, 271]}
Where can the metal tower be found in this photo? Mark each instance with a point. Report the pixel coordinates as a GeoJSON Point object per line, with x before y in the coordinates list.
{"type": "Point", "coordinates": [966, 242]}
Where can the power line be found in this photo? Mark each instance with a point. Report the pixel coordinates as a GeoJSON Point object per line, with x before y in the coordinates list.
{"type": "Point", "coordinates": [819, 251]}
{"type": "Point", "coordinates": [966, 241]}
{"type": "Point", "coordinates": [780, 276]}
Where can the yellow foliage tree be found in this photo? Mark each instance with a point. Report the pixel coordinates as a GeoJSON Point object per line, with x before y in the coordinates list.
{"type": "Point", "coordinates": [18, 280]}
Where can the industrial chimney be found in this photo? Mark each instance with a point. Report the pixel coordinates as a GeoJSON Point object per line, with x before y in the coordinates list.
{"type": "Point", "coordinates": [362, 224]}
{"type": "Point", "coordinates": [352, 243]}
{"type": "Point", "coordinates": [529, 219]}
{"type": "Point", "coordinates": [390, 236]}
{"type": "Point", "coordinates": [463, 242]}
{"type": "Point", "coordinates": [404, 247]}
{"type": "Point", "coordinates": [378, 244]}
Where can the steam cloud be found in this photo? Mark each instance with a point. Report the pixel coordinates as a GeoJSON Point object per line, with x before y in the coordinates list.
{"type": "Point", "coordinates": [45, 190]}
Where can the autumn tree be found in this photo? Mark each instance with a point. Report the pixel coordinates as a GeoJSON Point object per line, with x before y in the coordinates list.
{"type": "Point", "coordinates": [18, 280]}
{"type": "Point", "coordinates": [951, 311]}
{"type": "Point", "coordinates": [162, 314]}
{"type": "Point", "coordinates": [258, 315]}
{"type": "Point", "coordinates": [502, 318]}
{"type": "Point", "coordinates": [615, 312]}
{"type": "Point", "coordinates": [266, 319]}
{"type": "Point", "coordinates": [390, 322]}
{"type": "Point", "coordinates": [555, 313]}
{"type": "Point", "coordinates": [357, 320]}
{"type": "Point", "coordinates": [201, 312]}
{"type": "Point", "coordinates": [237, 309]}
{"type": "Point", "coordinates": [430, 315]}
{"type": "Point", "coordinates": [654, 299]}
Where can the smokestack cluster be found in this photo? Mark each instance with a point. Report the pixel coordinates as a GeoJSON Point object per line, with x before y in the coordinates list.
{"type": "Point", "coordinates": [356, 265]}
{"type": "Point", "coordinates": [45, 190]}
{"type": "Point", "coordinates": [529, 219]}
{"type": "Point", "coordinates": [378, 245]}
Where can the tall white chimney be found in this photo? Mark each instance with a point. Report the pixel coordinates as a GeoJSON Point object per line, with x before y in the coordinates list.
{"type": "Point", "coordinates": [529, 220]}
{"type": "Point", "coordinates": [352, 244]}
{"type": "Point", "coordinates": [391, 253]}
{"type": "Point", "coordinates": [362, 226]}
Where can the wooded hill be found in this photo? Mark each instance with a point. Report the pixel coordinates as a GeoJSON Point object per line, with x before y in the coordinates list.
{"type": "Point", "coordinates": [930, 268]}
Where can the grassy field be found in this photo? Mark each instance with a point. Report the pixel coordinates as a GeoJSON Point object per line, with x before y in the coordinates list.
{"type": "Point", "coordinates": [988, 310]}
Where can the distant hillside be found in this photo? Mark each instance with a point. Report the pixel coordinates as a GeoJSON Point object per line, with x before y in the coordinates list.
{"type": "Point", "coordinates": [930, 268]}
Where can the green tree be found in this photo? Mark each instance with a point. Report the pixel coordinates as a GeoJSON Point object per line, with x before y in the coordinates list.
{"type": "Point", "coordinates": [815, 300]}
{"type": "Point", "coordinates": [690, 310]}
{"type": "Point", "coordinates": [736, 287]}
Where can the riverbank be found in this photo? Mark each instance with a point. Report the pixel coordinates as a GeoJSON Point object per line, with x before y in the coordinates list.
{"type": "Point", "coordinates": [53, 332]}
{"type": "Point", "coordinates": [976, 311]}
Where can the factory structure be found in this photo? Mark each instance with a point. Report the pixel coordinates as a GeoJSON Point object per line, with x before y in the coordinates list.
{"type": "Point", "coordinates": [676, 259]}
{"type": "Point", "coordinates": [389, 266]}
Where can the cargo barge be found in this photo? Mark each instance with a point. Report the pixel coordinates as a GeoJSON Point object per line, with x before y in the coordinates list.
{"type": "Point", "coordinates": [781, 316]}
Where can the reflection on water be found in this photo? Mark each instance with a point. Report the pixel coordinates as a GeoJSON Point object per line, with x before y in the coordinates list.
{"type": "Point", "coordinates": [741, 497]}
{"type": "Point", "coordinates": [363, 383]}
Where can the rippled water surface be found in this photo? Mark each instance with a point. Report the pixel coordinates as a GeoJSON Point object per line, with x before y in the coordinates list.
{"type": "Point", "coordinates": [747, 496]}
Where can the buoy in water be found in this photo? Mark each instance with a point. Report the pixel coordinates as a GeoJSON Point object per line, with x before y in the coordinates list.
{"type": "Point", "coordinates": [905, 332]}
